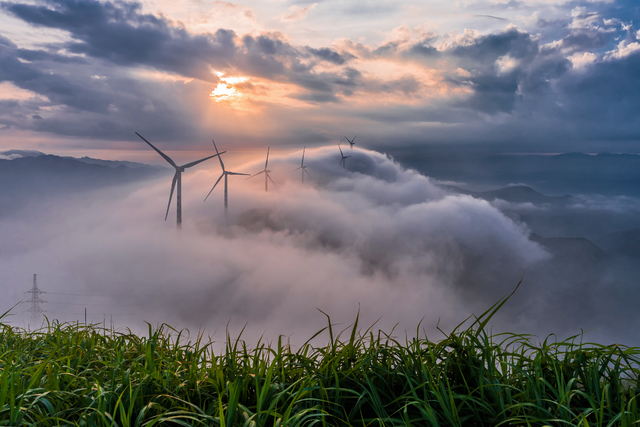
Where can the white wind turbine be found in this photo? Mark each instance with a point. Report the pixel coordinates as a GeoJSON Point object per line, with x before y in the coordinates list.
{"type": "Point", "coordinates": [303, 167]}
{"type": "Point", "coordinates": [266, 173]}
{"type": "Point", "coordinates": [343, 160]}
{"type": "Point", "coordinates": [225, 174]}
{"type": "Point", "coordinates": [177, 178]}
{"type": "Point", "coordinates": [351, 141]}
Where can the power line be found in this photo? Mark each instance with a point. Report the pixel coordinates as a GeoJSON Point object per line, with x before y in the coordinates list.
{"type": "Point", "coordinates": [87, 295]}
{"type": "Point", "coordinates": [96, 305]}
{"type": "Point", "coordinates": [82, 313]}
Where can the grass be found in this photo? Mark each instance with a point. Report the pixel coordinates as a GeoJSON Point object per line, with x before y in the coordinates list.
{"type": "Point", "coordinates": [67, 374]}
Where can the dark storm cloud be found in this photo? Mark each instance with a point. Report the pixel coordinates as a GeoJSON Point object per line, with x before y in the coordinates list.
{"type": "Point", "coordinates": [41, 55]}
{"type": "Point", "coordinates": [58, 89]}
{"type": "Point", "coordinates": [324, 86]}
{"type": "Point", "coordinates": [423, 49]}
{"type": "Point", "coordinates": [331, 55]}
{"type": "Point", "coordinates": [535, 84]}
{"type": "Point", "coordinates": [587, 40]}
{"type": "Point", "coordinates": [610, 83]}
{"type": "Point", "coordinates": [508, 83]}
{"type": "Point", "coordinates": [120, 33]}
{"type": "Point", "coordinates": [487, 49]}
{"type": "Point", "coordinates": [92, 100]}
{"type": "Point", "coordinates": [494, 93]}
{"type": "Point", "coordinates": [495, 90]}
{"type": "Point", "coordinates": [265, 56]}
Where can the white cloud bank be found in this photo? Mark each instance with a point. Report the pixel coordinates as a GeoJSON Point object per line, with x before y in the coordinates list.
{"type": "Point", "coordinates": [373, 236]}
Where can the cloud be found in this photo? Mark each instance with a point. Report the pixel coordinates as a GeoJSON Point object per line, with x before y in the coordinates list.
{"type": "Point", "coordinates": [297, 13]}
{"type": "Point", "coordinates": [371, 8]}
{"type": "Point", "coordinates": [120, 33]}
{"type": "Point", "coordinates": [331, 55]}
{"type": "Point", "coordinates": [497, 85]}
{"type": "Point", "coordinates": [373, 235]}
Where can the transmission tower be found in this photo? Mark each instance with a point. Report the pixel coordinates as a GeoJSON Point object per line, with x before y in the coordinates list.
{"type": "Point", "coordinates": [35, 301]}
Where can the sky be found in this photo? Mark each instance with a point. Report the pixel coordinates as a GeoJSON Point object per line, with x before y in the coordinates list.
{"type": "Point", "coordinates": [78, 77]}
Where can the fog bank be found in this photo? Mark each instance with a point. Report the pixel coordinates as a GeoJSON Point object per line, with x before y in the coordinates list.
{"type": "Point", "coordinates": [373, 237]}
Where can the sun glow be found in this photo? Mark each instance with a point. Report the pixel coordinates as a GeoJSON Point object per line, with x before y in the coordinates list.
{"type": "Point", "coordinates": [226, 89]}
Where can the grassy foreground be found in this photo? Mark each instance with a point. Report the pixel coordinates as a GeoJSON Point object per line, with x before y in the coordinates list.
{"type": "Point", "coordinates": [70, 375]}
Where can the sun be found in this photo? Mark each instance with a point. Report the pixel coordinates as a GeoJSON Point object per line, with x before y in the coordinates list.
{"type": "Point", "coordinates": [226, 89]}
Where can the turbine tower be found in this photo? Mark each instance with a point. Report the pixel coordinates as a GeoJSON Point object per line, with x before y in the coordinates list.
{"type": "Point", "coordinates": [303, 167]}
{"type": "Point", "coordinates": [176, 178]}
{"type": "Point", "coordinates": [225, 173]}
{"type": "Point", "coordinates": [351, 141]}
{"type": "Point", "coordinates": [266, 173]}
{"type": "Point", "coordinates": [35, 301]}
{"type": "Point", "coordinates": [343, 159]}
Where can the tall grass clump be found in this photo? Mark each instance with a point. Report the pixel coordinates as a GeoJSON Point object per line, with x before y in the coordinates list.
{"type": "Point", "coordinates": [67, 374]}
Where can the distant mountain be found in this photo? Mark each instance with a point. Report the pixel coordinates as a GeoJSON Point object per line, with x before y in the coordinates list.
{"type": "Point", "coordinates": [568, 173]}
{"type": "Point", "coordinates": [28, 179]}
{"type": "Point", "coordinates": [113, 163]}
{"type": "Point", "coordinates": [624, 243]}
{"type": "Point", "coordinates": [576, 249]}
{"type": "Point", "coordinates": [514, 194]}
{"type": "Point", "coordinates": [17, 154]}
{"type": "Point", "coordinates": [522, 194]}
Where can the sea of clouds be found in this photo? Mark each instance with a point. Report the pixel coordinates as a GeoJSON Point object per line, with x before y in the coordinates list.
{"type": "Point", "coordinates": [372, 238]}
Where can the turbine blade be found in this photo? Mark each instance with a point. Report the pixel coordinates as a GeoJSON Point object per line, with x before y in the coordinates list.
{"type": "Point", "coordinates": [236, 173]}
{"type": "Point", "coordinates": [188, 165]}
{"type": "Point", "coordinates": [214, 186]}
{"type": "Point", "coordinates": [164, 156]}
{"type": "Point", "coordinates": [354, 138]}
{"type": "Point", "coordinates": [173, 185]}
{"type": "Point", "coordinates": [297, 169]}
{"type": "Point", "coordinates": [269, 176]}
{"type": "Point", "coordinates": [303, 150]}
{"type": "Point", "coordinates": [219, 156]}
{"type": "Point", "coordinates": [251, 175]}
{"type": "Point", "coordinates": [267, 162]}
{"type": "Point", "coordinates": [305, 171]}
{"type": "Point", "coordinates": [340, 149]}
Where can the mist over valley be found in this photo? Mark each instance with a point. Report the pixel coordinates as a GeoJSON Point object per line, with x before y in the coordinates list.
{"type": "Point", "coordinates": [375, 236]}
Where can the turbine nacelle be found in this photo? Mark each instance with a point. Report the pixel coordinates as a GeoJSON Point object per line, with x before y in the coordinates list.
{"type": "Point", "coordinates": [225, 174]}
{"type": "Point", "coordinates": [343, 159]}
{"type": "Point", "coordinates": [302, 167]}
{"type": "Point", "coordinates": [351, 141]}
{"type": "Point", "coordinates": [177, 179]}
{"type": "Point", "coordinates": [266, 173]}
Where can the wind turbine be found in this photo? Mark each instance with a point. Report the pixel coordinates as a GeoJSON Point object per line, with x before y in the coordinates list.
{"type": "Point", "coordinates": [225, 173]}
{"type": "Point", "coordinates": [303, 167]}
{"type": "Point", "coordinates": [351, 141]}
{"type": "Point", "coordinates": [176, 178]}
{"type": "Point", "coordinates": [343, 160]}
{"type": "Point", "coordinates": [266, 173]}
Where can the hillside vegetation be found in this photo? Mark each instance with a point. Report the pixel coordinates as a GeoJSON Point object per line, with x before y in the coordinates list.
{"type": "Point", "coordinates": [67, 374]}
